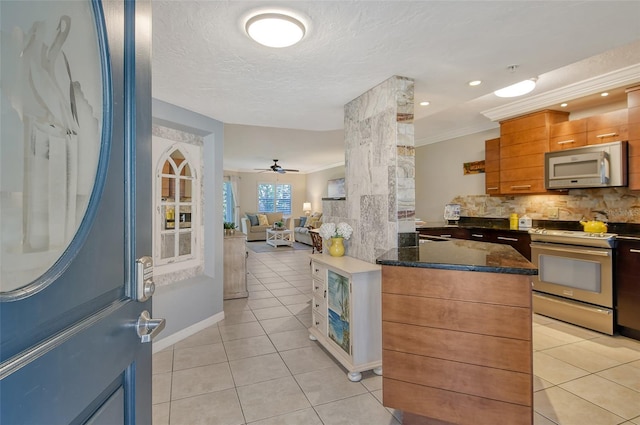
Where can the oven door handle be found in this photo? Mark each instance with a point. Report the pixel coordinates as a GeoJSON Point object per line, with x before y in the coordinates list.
{"type": "Point", "coordinates": [573, 251]}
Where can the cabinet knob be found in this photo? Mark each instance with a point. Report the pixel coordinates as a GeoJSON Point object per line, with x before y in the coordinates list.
{"type": "Point", "coordinates": [317, 323]}
{"type": "Point", "coordinates": [317, 305]}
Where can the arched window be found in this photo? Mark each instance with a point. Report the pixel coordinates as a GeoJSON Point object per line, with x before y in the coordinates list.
{"type": "Point", "coordinates": [176, 209]}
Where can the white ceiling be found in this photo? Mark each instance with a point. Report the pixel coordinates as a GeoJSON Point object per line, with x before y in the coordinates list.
{"type": "Point", "coordinates": [203, 61]}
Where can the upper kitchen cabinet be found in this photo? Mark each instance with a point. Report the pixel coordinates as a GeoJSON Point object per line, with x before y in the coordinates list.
{"type": "Point", "coordinates": [492, 166]}
{"type": "Point", "coordinates": [601, 128]}
{"type": "Point", "coordinates": [568, 135]}
{"type": "Point", "coordinates": [608, 127]}
{"type": "Point", "coordinates": [633, 103]}
{"type": "Point", "coordinates": [523, 142]}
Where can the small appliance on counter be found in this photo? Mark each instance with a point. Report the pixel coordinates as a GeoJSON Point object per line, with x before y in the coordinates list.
{"type": "Point", "coordinates": [524, 222]}
{"type": "Point", "coordinates": [452, 213]}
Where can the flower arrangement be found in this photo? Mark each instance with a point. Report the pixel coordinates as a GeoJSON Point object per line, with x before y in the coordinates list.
{"type": "Point", "coordinates": [331, 230]}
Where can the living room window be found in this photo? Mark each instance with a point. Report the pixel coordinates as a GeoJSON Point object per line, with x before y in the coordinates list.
{"type": "Point", "coordinates": [176, 209]}
{"type": "Point", "coordinates": [274, 197]}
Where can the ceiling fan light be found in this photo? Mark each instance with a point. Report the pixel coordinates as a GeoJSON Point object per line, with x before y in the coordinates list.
{"type": "Point", "coordinates": [517, 89]}
{"type": "Point", "coordinates": [275, 29]}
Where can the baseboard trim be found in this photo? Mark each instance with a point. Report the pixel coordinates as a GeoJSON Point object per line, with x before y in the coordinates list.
{"type": "Point", "coordinates": [163, 343]}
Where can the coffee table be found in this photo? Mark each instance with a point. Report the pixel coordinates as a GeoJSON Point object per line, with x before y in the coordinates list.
{"type": "Point", "coordinates": [276, 238]}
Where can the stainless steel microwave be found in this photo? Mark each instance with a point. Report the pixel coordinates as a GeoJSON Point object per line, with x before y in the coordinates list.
{"type": "Point", "coordinates": [603, 165]}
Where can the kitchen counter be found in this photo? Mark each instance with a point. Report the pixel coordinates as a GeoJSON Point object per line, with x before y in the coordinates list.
{"type": "Point", "coordinates": [457, 333]}
{"type": "Point", "coordinates": [458, 254]}
{"type": "Point", "coordinates": [622, 229]}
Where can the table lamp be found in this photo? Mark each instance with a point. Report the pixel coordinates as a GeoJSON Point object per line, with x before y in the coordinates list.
{"type": "Point", "coordinates": [306, 207]}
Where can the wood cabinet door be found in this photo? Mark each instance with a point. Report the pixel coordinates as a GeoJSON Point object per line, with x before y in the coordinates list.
{"type": "Point", "coordinates": [628, 284]}
{"type": "Point", "coordinates": [492, 166]}
{"type": "Point", "coordinates": [608, 127]}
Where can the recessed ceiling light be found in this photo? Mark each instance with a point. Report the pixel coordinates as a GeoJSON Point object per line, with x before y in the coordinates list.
{"type": "Point", "coordinates": [605, 94]}
{"type": "Point", "coordinates": [517, 89]}
{"type": "Point", "coordinates": [275, 29]}
{"type": "Point", "coordinates": [475, 83]}
{"type": "Point", "coordinates": [564, 105]}
{"type": "Point", "coordinates": [425, 103]}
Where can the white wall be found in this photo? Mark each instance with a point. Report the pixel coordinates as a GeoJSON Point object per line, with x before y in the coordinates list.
{"type": "Point", "coordinates": [289, 146]}
{"type": "Point", "coordinates": [189, 304]}
{"type": "Point", "coordinates": [439, 173]}
{"type": "Point", "coordinates": [317, 185]}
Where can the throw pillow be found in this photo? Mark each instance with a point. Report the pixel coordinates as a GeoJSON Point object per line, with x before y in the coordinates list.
{"type": "Point", "coordinates": [262, 220]}
{"type": "Point", "coordinates": [303, 221]}
{"type": "Point", "coordinates": [253, 219]}
{"type": "Point", "coordinates": [273, 217]}
{"type": "Point", "coordinates": [311, 222]}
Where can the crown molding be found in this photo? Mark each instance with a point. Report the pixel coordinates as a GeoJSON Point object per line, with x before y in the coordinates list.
{"type": "Point", "coordinates": [608, 81]}
{"type": "Point", "coordinates": [325, 167]}
{"type": "Point", "coordinates": [454, 133]}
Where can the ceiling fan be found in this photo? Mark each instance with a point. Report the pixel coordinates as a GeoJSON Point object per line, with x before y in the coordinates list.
{"type": "Point", "coordinates": [277, 168]}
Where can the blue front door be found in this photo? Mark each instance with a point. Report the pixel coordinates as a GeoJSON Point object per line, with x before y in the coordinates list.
{"type": "Point", "coordinates": [75, 211]}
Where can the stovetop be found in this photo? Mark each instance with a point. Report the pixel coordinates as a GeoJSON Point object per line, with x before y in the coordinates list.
{"type": "Point", "coordinates": [573, 237]}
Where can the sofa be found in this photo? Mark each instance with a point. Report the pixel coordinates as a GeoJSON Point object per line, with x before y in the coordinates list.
{"type": "Point", "coordinates": [258, 231]}
{"type": "Point", "coordinates": [301, 230]}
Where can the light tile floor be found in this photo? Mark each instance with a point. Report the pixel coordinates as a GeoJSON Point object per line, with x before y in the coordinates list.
{"type": "Point", "coordinates": [259, 367]}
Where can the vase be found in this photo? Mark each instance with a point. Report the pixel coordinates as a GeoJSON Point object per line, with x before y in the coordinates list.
{"type": "Point", "coordinates": [336, 249]}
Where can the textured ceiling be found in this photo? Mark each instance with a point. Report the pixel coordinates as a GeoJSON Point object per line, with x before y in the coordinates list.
{"type": "Point", "coordinates": [203, 61]}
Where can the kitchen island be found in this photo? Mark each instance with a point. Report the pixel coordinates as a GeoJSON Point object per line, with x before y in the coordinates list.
{"type": "Point", "coordinates": [456, 333]}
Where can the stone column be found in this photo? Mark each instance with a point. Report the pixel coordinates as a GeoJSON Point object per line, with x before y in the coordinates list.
{"type": "Point", "coordinates": [379, 171]}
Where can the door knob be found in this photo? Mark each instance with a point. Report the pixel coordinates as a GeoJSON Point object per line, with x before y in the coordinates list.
{"type": "Point", "coordinates": [148, 328]}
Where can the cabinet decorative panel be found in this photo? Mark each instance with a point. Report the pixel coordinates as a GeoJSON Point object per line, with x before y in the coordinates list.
{"type": "Point", "coordinates": [338, 310]}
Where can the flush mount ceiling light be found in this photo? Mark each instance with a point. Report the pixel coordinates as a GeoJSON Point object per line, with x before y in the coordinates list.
{"type": "Point", "coordinates": [475, 83]}
{"type": "Point", "coordinates": [425, 103]}
{"type": "Point", "coordinates": [517, 89]}
{"type": "Point", "coordinates": [275, 29]}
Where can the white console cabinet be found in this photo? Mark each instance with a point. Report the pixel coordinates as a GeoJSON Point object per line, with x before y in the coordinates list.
{"type": "Point", "coordinates": [346, 312]}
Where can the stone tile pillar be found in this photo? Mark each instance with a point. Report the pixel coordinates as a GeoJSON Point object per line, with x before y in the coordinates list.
{"type": "Point", "coordinates": [379, 170]}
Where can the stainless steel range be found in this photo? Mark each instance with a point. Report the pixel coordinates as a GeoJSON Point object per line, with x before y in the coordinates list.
{"type": "Point", "coordinates": [575, 277]}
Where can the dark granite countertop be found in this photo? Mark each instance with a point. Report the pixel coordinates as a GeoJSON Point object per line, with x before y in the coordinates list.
{"type": "Point", "coordinates": [458, 254]}
{"type": "Point", "coordinates": [630, 230]}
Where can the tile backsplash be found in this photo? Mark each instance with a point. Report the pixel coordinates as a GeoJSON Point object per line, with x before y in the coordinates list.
{"type": "Point", "coordinates": [615, 205]}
